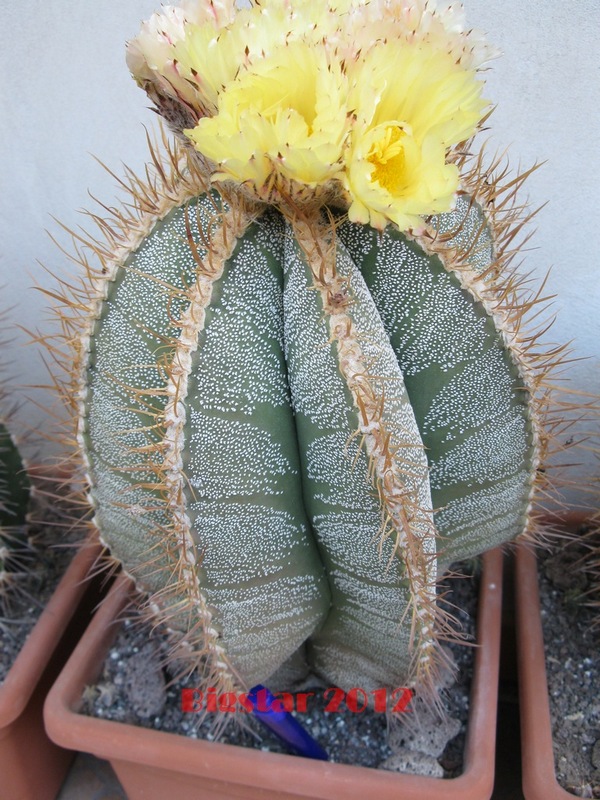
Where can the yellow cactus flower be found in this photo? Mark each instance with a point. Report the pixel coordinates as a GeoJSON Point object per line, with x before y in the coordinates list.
{"type": "Point", "coordinates": [194, 51]}
{"type": "Point", "coordinates": [283, 118]}
{"type": "Point", "coordinates": [151, 56]}
{"type": "Point", "coordinates": [411, 104]}
{"type": "Point", "coordinates": [368, 95]}
{"type": "Point", "coordinates": [211, 59]}
{"type": "Point", "coordinates": [365, 22]}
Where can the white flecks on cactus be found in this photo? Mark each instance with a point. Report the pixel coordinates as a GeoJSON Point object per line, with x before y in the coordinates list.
{"type": "Point", "coordinates": [276, 412]}
{"type": "Point", "coordinates": [370, 588]}
{"type": "Point", "coordinates": [469, 231]}
{"type": "Point", "coordinates": [124, 384]}
{"type": "Point", "coordinates": [469, 399]}
{"type": "Point", "coordinates": [258, 565]}
{"type": "Point", "coordinates": [491, 511]}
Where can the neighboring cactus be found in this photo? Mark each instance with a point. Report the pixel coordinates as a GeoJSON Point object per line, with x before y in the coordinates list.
{"type": "Point", "coordinates": [292, 423]}
{"type": "Point", "coordinates": [14, 502]}
{"type": "Point", "coordinates": [591, 568]}
{"type": "Point", "coordinates": [587, 545]}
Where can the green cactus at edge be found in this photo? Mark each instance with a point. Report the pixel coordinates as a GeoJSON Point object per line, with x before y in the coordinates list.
{"type": "Point", "coordinates": [14, 503]}
{"type": "Point", "coordinates": [291, 425]}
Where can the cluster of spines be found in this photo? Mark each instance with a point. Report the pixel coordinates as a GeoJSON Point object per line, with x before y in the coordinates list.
{"type": "Point", "coordinates": [586, 538]}
{"type": "Point", "coordinates": [15, 552]}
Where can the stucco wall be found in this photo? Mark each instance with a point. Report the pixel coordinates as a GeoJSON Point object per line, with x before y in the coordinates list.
{"type": "Point", "coordinates": [66, 94]}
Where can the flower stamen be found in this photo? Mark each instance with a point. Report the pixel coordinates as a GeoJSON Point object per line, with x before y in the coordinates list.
{"type": "Point", "coordinates": [387, 156]}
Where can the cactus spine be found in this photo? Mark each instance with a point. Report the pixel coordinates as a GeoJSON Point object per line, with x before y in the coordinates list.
{"type": "Point", "coordinates": [292, 424]}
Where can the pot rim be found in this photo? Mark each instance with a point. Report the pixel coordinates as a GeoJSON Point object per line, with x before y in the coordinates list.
{"type": "Point", "coordinates": [537, 756]}
{"type": "Point", "coordinates": [40, 645]}
{"type": "Point", "coordinates": [120, 742]}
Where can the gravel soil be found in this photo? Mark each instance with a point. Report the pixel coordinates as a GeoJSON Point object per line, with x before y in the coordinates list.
{"type": "Point", "coordinates": [573, 668]}
{"type": "Point", "coordinates": [135, 688]}
{"type": "Point", "coordinates": [42, 566]}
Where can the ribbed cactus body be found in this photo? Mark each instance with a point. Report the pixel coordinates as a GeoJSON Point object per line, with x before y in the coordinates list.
{"type": "Point", "coordinates": [14, 483]}
{"type": "Point", "coordinates": [334, 341]}
{"type": "Point", "coordinates": [467, 393]}
{"type": "Point", "coordinates": [275, 413]}
{"type": "Point", "coordinates": [261, 588]}
{"type": "Point", "coordinates": [14, 502]}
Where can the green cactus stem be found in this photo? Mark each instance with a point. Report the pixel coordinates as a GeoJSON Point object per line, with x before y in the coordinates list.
{"type": "Point", "coordinates": [14, 502]}
{"type": "Point", "coordinates": [586, 540]}
{"type": "Point", "coordinates": [15, 550]}
{"type": "Point", "coordinates": [292, 424]}
{"type": "Point", "coordinates": [14, 483]}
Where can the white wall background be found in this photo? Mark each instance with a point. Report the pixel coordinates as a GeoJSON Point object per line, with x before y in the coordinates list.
{"type": "Point", "coordinates": [66, 94]}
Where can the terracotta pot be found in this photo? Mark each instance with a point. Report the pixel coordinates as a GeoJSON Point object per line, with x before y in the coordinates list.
{"type": "Point", "coordinates": [154, 765]}
{"type": "Point", "coordinates": [539, 778]}
{"type": "Point", "coordinates": [31, 765]}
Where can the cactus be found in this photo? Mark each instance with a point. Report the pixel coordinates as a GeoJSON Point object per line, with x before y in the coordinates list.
{"type": "Point", "coordinates": [291, 427]}
{"type": "Point", "coordinates": [14, 484]}
{"type": "Point", "coordinates": [590, 567]}
{"type": "Point", "coordinates": [14, 502]}
{"type": "Point", "coordinates": [291, 422]}
{"type": "Point", "coordinates": [586, 542]}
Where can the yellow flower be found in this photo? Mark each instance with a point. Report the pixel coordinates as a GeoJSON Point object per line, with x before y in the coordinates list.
{"type": "Point", "coordinates": [411, 104]}
{"type": "Point", "coordinates": [282, 119]}
{"type": "Point", "coordinates": [151, 56]}
{"type": "Point", "coordinates": [364, 22]}
{"type": "Point", "coordinates": [212, 58]}
{"type": "Point", "coordinates": [192, 53]}
{"type": "Point", "coordinates": [365, 94]}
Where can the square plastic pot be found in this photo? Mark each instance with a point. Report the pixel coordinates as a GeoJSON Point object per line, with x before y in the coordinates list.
{"type": "Point", "coordinates": [32, 767]}
{"type": "Point", "coordinates": [154, 765]}
{"type": "Point", "coordinates": [539, 777]}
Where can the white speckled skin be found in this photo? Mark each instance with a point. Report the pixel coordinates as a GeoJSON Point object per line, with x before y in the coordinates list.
{"type": "Point", "coordinates": [238, 475]}
{"type": "Point", "coordinates": [260, 578]}
{"type": "Point", "coordinates": [361, 642]}
{"type": "Point", "coordinates": [471, 402]}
